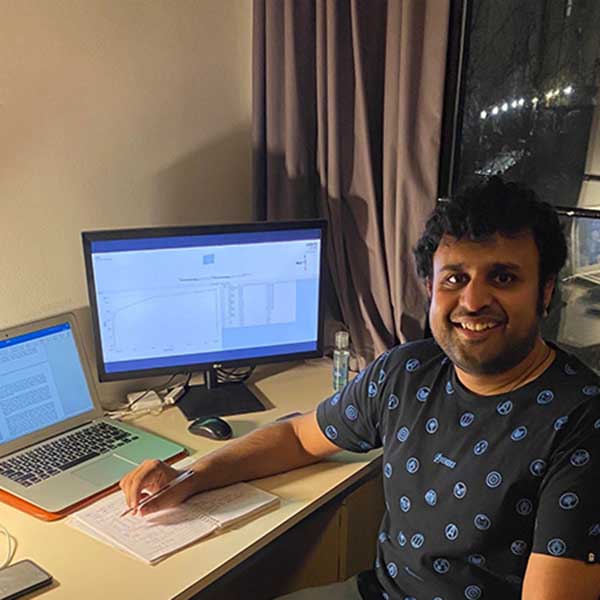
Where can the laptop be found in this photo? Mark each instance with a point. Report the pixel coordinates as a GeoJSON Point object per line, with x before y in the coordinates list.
{"type": "Point", "coordinates": [56, 449]}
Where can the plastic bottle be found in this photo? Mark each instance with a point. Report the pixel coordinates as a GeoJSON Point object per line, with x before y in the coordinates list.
{"type": "Point", "coordinates": [341, 360]}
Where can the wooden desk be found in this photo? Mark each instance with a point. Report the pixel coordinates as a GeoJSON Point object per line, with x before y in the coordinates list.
{"type": "Point", "coordinates": [86, 568]}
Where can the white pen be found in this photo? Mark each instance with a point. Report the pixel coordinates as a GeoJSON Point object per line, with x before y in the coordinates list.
{"type": "Point", "coordinates": [160, 491]}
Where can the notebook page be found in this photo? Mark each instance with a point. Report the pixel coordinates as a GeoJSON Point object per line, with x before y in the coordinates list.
{"type": "Point", "coordinates": [147, 538]}
{"type": "Point", "coordinates": [230, 504]}
{"type": "Point", "coordinates": [156, 536]}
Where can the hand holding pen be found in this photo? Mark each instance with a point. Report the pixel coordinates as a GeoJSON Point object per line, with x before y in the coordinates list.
{"type": "Point", "coordinates": [163, 481]}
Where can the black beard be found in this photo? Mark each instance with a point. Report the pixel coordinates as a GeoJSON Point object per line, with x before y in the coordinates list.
{"type": "Point", "coordinates": [504, 361]}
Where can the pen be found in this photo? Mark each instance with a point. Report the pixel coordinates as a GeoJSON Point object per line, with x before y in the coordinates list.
{"type": "Point", "coordinates": [160, 491]}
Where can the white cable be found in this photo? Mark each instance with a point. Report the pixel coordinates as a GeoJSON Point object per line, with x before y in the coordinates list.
{"type": "Point", "coordinates": [11, 546]}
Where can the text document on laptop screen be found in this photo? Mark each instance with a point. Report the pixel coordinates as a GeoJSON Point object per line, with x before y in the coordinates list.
{"type": "Point", "coordinates": [42, 381]}
{"type": "Point", "coordinates": [169, 301]}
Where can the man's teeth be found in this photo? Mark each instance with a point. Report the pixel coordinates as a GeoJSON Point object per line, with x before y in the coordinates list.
{"type": "Point", "coordinates": [477, 326]}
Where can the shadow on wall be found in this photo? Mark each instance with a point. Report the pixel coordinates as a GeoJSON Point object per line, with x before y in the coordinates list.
{"type": "Point", "coordinates": [209, 185]}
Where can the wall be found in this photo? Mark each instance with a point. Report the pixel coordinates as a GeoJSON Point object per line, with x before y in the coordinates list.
{"type": "Point", "coordinates": [114, 113]}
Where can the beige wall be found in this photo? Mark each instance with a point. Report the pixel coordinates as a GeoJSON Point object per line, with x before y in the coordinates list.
{"type": "Point", "coordinates": [114, 113]}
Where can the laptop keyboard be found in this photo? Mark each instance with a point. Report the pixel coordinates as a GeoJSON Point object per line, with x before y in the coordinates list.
{"type": "Point", "coordinates": [58, 455]}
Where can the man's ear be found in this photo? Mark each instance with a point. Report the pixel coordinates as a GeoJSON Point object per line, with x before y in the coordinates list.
{"type": "Point", "coordinates": [428, 287]}
{"type": "Point", "coordinates": [548, 290]}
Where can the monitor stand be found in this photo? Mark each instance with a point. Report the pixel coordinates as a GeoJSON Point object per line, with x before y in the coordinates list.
{"type": "Point", "coordinates": [217, 399]}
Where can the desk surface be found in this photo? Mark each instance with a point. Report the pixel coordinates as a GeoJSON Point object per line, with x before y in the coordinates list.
{"type": "Point", "coordinates": [86, 568]}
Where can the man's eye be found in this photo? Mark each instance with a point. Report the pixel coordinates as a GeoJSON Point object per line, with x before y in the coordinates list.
{"type": "Point", "coordinates": [504, 278]}
{"type": "Point", "coordinates": [455, 279]}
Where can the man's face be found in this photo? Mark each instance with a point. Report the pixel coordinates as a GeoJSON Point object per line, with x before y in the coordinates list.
{"type": "Point", "coordinates": [484, 297]}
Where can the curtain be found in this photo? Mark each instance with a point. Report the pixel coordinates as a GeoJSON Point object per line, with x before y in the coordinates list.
{"type": "Point", "coordinates": [347, 110]}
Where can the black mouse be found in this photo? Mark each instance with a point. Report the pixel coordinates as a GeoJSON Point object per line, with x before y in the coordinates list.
{"type": "Point", "coordinates": [214, 428]}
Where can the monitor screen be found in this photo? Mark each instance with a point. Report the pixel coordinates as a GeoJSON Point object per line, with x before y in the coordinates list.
{"type": "Point", "coordinates": [168, 300]}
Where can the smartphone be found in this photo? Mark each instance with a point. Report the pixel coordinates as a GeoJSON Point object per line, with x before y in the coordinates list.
{"type": "Point", "coordinates": [21, 578]}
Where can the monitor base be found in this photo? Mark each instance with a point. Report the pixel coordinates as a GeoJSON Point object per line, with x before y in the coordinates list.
{"type": "Point", "coordinates": [221, 400]}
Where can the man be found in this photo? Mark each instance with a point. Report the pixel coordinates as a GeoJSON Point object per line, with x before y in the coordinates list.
{"type": "Point", "coordinates": [491, 436]}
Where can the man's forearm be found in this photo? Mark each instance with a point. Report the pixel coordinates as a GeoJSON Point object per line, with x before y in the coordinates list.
{"type": "Point", "coordinates": [267, 451]}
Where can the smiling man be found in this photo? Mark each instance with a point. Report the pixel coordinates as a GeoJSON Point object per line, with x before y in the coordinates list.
{"type": "Point", "coordinates": [491, 436]}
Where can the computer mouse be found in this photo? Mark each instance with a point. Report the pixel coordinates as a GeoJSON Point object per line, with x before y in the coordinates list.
{"type": "Point", "coordinates": [214, 428]}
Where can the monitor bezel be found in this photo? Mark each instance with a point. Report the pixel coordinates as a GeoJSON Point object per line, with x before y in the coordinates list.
{"type": "Point", "coordinates": [190, 230]}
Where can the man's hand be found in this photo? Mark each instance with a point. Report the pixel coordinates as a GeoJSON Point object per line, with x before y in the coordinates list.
{"type": "Point", "coordinates": [552, 578]}
{"type": "Point", "coordinates": [148, 478]}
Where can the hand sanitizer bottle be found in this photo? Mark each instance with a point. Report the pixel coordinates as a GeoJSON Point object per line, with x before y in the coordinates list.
{"type": "Point", "coordinates": [341, 360]}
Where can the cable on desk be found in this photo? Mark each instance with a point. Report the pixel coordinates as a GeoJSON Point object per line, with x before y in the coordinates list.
{"type": "Point", "coordinates": [11, 546]}
{"type": "Point", "coordinates": [237, 375]}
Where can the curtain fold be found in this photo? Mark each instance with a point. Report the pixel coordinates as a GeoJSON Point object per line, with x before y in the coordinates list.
{"type": "Point", "coordinates": [347, 108]}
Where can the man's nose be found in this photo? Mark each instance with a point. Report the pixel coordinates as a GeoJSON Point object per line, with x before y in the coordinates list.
{"type": "Point", "coordinates": [475, 296]}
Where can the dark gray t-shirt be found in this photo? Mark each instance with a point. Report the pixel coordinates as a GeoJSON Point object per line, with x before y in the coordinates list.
{"type": "Point", "coordinates": [473, 484]}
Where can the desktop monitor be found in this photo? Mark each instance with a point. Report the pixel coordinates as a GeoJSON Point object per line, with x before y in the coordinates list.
{"type": "Point", "coordinates": [181, 299]}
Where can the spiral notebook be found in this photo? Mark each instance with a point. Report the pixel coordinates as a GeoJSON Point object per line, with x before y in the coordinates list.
{"type": "Point", "coordinates": [154, 537]}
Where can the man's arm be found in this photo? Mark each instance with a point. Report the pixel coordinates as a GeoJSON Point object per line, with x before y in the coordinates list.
{"type": "Point", "coordinates": [269, 450]}
{"type": "Point", "coordinates": [553, 578]}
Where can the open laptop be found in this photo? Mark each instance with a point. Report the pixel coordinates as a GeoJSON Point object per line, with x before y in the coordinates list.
{"type": "Point", "coordinates": [56, 450]}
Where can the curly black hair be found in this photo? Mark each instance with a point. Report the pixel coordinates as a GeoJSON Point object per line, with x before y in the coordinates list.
{"type": "Point", "coordinates": [495, 207]}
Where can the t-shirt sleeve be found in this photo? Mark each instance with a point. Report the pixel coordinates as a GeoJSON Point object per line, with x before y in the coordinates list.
{"type": "Point", "coordinates": [350, 417]}
{"type": "Point", "coordinates": [568, 515]}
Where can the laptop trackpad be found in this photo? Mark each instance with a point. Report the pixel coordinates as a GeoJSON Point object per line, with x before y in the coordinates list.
{"type": "Point", "coordinates": [104, 472]}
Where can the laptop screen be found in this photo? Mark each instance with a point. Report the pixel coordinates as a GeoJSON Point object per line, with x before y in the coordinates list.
{"type": "Point", "coordinates": [42, 381]}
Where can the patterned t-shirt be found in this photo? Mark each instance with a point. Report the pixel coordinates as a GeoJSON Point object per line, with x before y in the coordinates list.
{"type": "Point", "coordinates": [473, 484]}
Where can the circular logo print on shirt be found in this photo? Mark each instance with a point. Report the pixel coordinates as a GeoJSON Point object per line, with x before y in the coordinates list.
{"type": "Point", "coordinates": [449, 388]}
{"type": "Point", "coordinates": [569, 370]}
{"type": "Point", "coordinates": [335, 399]}
{"type": "Point", "coordinates": [372, 389]}
{"type": "Point", "coordinates": [422, 393]}
{"type": "Point", "coordinates": [460, 490]}
{"type": "Point", "coordinates": [580, 458]}
{"type": "Point", "coordinates": [560, 423]}
{"type": "Point", "coordinates": [393, 402]}
{"type": "Point", "coordinates": [412, 465]}
{"type": "Point", "coordinates": [432, 425]}
{"type": "Point", "coordinates": [417, 540]}
{"type": "Point", "coordinates": [476, 559]}
{"type": "Point", "coordinates": [331, 432]}
{"type": "Point", "coordinates": [482, 522]}
{"type": "Point", "coordinates": [597, 424]}
{"type": "Point", "coordinates": [351, 412]}
{"type": "Point", "coordinates": [537, 467]}
{"type": "Point", "coordinates": [472, 592]}
{"type": "Point", "coordinates": [403, 434]}
{"type": "Point", "coordinates": [568, 501]}
{"type": "Point", "coordinates": [365, 446]}
{"type": "Point", "coordinates": [591, 390]}
{"type": "Point", "coordinates": [493, 479]}
{"type": "Point", "coordinates": [594, 530]}
{"type": "Point", "coordinates": [412, 364]}
{"type": "Point", "coordinates": [524, 507]}
{"type": "Point", "coordinates": [518, 547]}
{"type": "Point", "coordinates": [466, 419]}
{"type": "Point", "coordinates": [545, 397]}
{"type": "Point", "coordinates": [504, 407]}
{"type": "Point", "coordinates": [480, 447]}
{"type": "Point", "coordinates": [451, 531]}
{"type": "Point", "coordinates": [404, 503]}
{"type": "Point", "coordinates": [441, 565]}
{"type": "Point", "coordinates": [556, 547]}
{"type": "Point", "coordinates": [402, 539]}
{"type": "Point", "coordinates": [383, 537]}
{"type": "Point", "coordinates": [387, 470]}
{"type": "Point", "coordinates": [431, 497]}
{"type": "Point", "coordinates": [519, 433]}
{"type": "Point", "coordinates": [392, 569]}
{"type": "Point", "coordinates": [381, 377]}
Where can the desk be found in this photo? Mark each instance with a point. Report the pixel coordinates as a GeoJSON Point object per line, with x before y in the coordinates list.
{"type": "Point", "coordinates": [86, 568]}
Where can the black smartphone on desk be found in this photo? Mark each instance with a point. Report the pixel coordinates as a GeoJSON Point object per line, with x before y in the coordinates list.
{"type": "Point", "coordinates": [21, 578]}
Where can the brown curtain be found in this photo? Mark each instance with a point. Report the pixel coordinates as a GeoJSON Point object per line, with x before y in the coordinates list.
{"type": "Point", "coordinates": [347, 106]}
